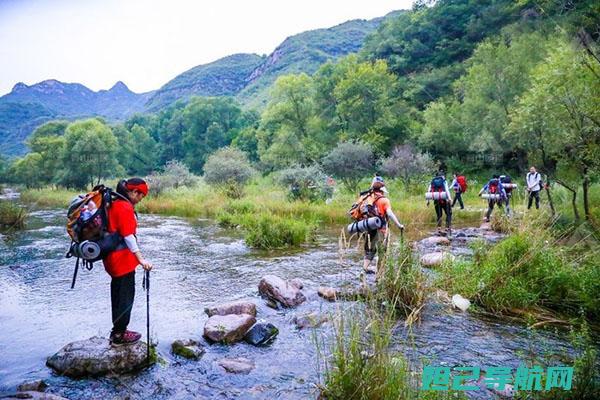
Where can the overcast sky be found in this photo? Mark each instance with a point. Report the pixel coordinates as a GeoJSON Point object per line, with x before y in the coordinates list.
{"type": "Point", "coordinates": [145, 43]}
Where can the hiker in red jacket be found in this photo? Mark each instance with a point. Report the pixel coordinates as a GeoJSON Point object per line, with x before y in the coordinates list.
{"type": "Point", "coordinates": [121, 263]}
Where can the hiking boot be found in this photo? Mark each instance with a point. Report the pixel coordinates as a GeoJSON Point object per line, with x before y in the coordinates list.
{"type": "Point", "coordinates": [127, 337]}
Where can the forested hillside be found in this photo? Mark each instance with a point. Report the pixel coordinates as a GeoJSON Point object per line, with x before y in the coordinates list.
{"type": "Point", "coordinates": [26, 107]}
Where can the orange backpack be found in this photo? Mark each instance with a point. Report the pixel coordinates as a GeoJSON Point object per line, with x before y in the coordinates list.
{"type": "Point", "coordinates": [365, 206]}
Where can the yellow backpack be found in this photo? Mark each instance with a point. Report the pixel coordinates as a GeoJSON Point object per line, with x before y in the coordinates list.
{"type": "Point", "coordinates": [365, 206]}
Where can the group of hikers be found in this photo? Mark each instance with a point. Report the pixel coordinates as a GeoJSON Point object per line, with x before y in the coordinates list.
{"type": "Point", "coordinates": [103, 225]}
{"type": "Point", "coordinates": [373, 204]}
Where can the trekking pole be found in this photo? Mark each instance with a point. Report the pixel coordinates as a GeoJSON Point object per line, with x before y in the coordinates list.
{"type": "Point", "coordinates": [147, 287]}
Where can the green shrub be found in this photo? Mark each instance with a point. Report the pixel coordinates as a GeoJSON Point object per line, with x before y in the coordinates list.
{"type": "Point", "coordinates": [174, 175]}
{"type": "Point", "coordinates": [305, 183]}
{"type": "Point", "coordinates": [266, 231]}
{"type": "Point", "coordinates": [229, 169]}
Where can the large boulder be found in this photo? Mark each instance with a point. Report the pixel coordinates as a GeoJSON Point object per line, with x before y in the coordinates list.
{"type": "Point", "coordinates": [232, 307]}
{"type": "Point", "coordinates": [95, 356]}
{"type": "Point", "coordinates": [187, 348]}
{"type": "Point", "coordinates": [228, 328]}
{"type": "Point", "coordinates": [261, 333]}
{"type": "Point", "coordinates": [238, 365]}
{"type": "Point", "coordinates": [288, 294]}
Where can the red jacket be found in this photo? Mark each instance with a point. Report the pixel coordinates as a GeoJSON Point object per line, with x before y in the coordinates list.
{"type": "Point", "coordinates": [121, 219]}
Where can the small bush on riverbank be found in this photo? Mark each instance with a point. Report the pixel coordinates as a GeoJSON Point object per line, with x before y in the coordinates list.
{"type": "Point", "coordinates": [11, 215]}
{"type": "Point", "coordinates": [528, 270]}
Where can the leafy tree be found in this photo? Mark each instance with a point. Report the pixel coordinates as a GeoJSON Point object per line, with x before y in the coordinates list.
{"type": "Point", "coordinates": [229, 169]}
{"type": "Point", "coordinates": [48, 141]}
{"type": "Point", "coordinates": [144, 152]}
{"type": "Point", "coordinates": [89, 154]}
{"type": "Point", "coordinates": [305, 183]}
{"type": "Point", "coordinates": [406, 162]}
{"type": "Point", "coordinates": [561, 111]}
{"type": "Point", "coordinates": [350, 162]}
{"type": "Point", "coordinates": [28, 170]}
{"type": "Point", "coordinates": [210, 123]}
{"type": "Point", "coordinates": [289, 124]}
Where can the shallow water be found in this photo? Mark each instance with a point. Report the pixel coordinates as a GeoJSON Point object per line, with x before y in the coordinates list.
{"type": "Point", "coordinates": [198, 264]}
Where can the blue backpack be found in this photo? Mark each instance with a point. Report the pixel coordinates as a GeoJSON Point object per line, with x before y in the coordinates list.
{"type": "Point", "coordinates": [437, 184]}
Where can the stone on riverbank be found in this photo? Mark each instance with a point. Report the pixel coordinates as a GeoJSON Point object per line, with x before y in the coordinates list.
{"type": "Point", "coordinates": [232, 307]}
{"type": "Point", "coordinates": [187, 348]}
{"type": "Point", "coordinates": [238, 365]}
{"type": "Point", "coordinates": [288, 294]}
{"type": "Point", "coordinates": [33, 386]}
{"type": "Point", "coordinates": [95, 356]}
{"type": "Point", "coordinates": [328, 293]}
{"type": "Point", "coordinates": [311, 320]}
{"type": "Point", "coordinates": [435, 259]}
{"type": "Point", "coordinates": [228, 328]}
{"type": "Point", "coordinates": [261, 333]}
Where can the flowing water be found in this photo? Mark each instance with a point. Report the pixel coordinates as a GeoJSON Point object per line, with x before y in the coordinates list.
{"type": "Point", "coordinates": [199, 264]}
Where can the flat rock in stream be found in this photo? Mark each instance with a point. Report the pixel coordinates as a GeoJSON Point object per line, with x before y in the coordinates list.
{"type": "Point", "coordinates": [288, 294]}
{"type": "Point", "coordinates": [228, 328]}
{"type": "Point", "coordinates": [95, 357]}
{"type": "Point", "coordinates": [233, 307]}
{"type": "Point", "coordinates": [33, 395]}
{"type": "Point", "coordinates": [435, 259]}
{"type": "Point", "coordinates": [261, 333]}
{"type": "Point", "coordinates": [435, 241]}
{"type": "Point", "coordinates": [238, 365]}
{"type": "Point", "coordinates": [187, 348]}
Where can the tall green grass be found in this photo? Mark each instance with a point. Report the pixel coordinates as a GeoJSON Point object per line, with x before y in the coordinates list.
{"type": "Point", "coordinates": [530, 269]}
{"type": "Point", "coordinates": [12, 216]}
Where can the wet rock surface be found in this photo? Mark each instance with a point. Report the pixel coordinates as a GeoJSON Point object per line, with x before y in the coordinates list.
{"type": "Point", "coordinates": [288, 294]}
{"type": "Point", "coordinates": [34, 395]}
{"type": "Point", "coordinates": [232, 307]}
{"type": "Point", "coordinates": [95, 357]}
{"type": "Point", "coordinates": [238, 365]}
{"type": "Point", "coordinates": [35, 386]}
{"type": "Point", "coordinates": [328, 293]}
{"type": "Point", "coordinates": [187, 348]}
{"type": "Point", "coordinates": [311, 320]}
{"type": "Point", "coordinates": [261, 333]}
{"type": "Point", "coordinates": [228, 328]}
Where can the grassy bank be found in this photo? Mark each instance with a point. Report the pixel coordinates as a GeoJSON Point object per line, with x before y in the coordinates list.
{"type": "Point", "coordinates": [12, 216]}
{"type": "Point", "coordinates": [532, 269]}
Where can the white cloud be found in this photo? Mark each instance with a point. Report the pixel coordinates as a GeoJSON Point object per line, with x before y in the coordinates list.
{"type": "Point", "coordinates": [145, 43]}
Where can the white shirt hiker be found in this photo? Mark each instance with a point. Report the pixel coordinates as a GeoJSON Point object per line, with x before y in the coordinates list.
{"type": "Point", "coordinates": [533, 181]}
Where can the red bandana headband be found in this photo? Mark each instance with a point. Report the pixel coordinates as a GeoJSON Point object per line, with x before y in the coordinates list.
{"type": "Point", "coordinates": [141, 187]}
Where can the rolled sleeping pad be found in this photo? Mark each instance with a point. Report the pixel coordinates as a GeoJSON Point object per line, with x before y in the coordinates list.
{"type": "Point", "coordinates": [436, 196]}
{"type": "Point", "coordinates": [366, 225]}
{"type": "Point", "coordinates": [491, 196]}
{"type": "Point", "coordinates": [509, 185]}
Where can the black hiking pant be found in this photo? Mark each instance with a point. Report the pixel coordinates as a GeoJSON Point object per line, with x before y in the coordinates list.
{"type": "Point", "coordinates": [443, 207]}
{"type": "Point", "coordinates": [534, 194]}
{"type": "Point", "coordinates": [122, 293]}
{"type": "Point", "coordinates": [458, 196]}
{"type": "Point", "coordinates": [491, 204]}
